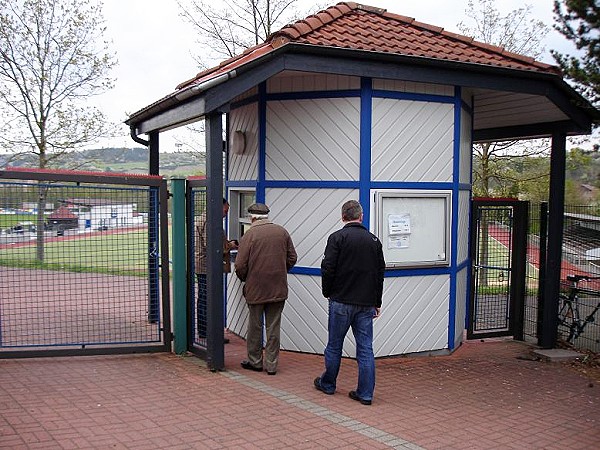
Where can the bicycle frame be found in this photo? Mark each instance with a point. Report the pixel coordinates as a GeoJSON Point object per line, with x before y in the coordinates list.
{"type": "Point", "coordinates": [568, 314]}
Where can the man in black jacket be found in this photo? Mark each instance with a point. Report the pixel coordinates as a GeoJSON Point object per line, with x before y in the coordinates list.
{"type": "Point", "coordinates": [352, 279]}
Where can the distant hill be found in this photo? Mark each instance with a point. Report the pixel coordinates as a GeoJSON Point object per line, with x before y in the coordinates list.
{"type": "Point", "coordinates": [127, 160]}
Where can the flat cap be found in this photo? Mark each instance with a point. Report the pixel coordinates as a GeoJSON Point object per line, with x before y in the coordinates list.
{"type": "Point", "coordinates": [258, 208]}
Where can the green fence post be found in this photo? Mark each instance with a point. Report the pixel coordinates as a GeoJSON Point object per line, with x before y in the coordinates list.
{"type": "Point", "coordinates": [178, 238]}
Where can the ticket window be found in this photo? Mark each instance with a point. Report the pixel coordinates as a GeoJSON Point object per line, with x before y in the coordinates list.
{"type": "Point", "coordinates": [246, 199]}
{"type": "Point", "coordinates": [239, 220]}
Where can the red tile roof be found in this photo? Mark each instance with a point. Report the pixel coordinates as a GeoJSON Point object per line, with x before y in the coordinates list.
{"type": "Point", "coordinates": [353, 26]}
{"type": "Point", "coordinates": [62, 213]}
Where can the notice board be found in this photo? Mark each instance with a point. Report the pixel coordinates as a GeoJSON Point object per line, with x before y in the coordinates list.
{"type": "Point", "coordinates": [414, 227]}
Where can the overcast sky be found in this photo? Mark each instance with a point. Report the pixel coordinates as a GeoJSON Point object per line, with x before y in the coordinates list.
{"type": "Point", "coordinates": [154, 47]}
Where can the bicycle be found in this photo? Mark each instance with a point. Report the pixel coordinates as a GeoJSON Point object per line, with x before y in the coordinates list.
{"type": "Point", "coordinates": [568, 311]}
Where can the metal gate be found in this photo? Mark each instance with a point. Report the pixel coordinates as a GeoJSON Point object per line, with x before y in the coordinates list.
{"type": "Point", "coordinates": [84, 264]}
{"type": "Point", "coordinates": [198, 314]}
{"type": "Point", "coordinates": [498, 252]}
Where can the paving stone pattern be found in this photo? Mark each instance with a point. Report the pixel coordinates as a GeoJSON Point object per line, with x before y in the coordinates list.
{"type": "Point", "coordinates": [484, 396]}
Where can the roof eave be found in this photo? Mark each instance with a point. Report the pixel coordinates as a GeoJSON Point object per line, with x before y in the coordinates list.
{"type": "Point", "coordinates": [190, 92]}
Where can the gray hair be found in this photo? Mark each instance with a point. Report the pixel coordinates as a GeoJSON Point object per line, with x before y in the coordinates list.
{"type": "Point", "coordinates": [259, 216]}
{"type": "Point", "coordinates": [351, 210]}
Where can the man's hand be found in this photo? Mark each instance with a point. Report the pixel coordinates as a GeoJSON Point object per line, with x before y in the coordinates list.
{"type": "Point", "coordinates": [377, 313]}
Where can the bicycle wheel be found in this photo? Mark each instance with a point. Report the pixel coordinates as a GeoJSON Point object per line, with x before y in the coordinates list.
{"type": "Point", "coordinates": [567, 324]}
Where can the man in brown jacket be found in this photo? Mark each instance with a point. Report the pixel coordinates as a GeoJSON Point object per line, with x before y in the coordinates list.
{"type": "Point", "coordinates": [200, 267]}
{"type": "Point", "coordinates": [265, 255]}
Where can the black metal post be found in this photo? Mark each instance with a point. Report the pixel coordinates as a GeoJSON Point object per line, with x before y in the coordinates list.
{"type": "Point", "coordinates": [519, 267]}
{"type": "Point", "coordinates": [153, 232]}
{"type": "Point", "coordinates": [214, 248]}
{"type": "Point", "coordinates": [555, 236]}
{"type": "Point", "coordinates": [153, 155]}
{"type": "Point", "coordinates": [542, 267]}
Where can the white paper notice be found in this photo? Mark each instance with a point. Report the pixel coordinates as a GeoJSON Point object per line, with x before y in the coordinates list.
{"type": "Point", "coordinates": [399, 224]}
{"type": "Point", "coordinates": [399, 241]}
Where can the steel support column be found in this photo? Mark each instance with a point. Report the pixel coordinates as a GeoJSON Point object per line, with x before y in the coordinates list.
{"type": "Point", "coordinates": [555, 236]}
{"type": "Point", "coordinates": [214, 233]}
{"type": "Point", "coordinates": [178, 210]}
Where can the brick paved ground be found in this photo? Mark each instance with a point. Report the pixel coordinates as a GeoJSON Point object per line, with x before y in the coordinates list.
{"type": "Point", "coordinates": [487, 395]}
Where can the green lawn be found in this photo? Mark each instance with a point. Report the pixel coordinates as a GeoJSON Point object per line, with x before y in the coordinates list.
{"type": "Point", "coordinates": [115, 253]}
{"type": "Point", "coordinates": [10, 220]}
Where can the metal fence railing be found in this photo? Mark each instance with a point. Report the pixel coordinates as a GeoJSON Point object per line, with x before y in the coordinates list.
{"type": "Point", "coordinates": [580, 256]}
{"type": "Point", "coordinates": [79, 264]}
{"type": "Point", "coordinates": [198, 285]}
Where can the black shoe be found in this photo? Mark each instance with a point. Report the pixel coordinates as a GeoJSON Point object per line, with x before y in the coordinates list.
{"type": "Point", "coordinates": [246, 365]}
{"type": "Point", "coordinates": [317, 384]}
{"type": "Point", "coordinates": [271, 372]}
{"type": "Point", "coordinates": [353, 396]}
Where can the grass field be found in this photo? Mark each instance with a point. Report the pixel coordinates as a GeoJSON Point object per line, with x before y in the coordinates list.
{"type": "Point", "coordinates": [497, 282]}
{"type": "Point", "coordinates": [123, 253]}
{"type": "Point", "coordinates": [10, 220]}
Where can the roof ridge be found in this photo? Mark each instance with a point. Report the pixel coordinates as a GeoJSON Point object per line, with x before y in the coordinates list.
{"type": "Point", "coordinates": [313, 22]}
{"type": "Point", "coordinates": [469, 40]}
{"type": "Point", "coordinates": [302, 29]}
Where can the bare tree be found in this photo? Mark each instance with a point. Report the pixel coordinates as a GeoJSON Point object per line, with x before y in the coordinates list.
{"type": "Point", "coordinates": [228, 28]}
{"type": "Point", "coordinates": [53, 60]}
{"type": "Point", "coordinates": [517, 32]}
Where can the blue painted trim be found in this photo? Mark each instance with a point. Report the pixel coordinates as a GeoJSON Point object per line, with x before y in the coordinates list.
{"type": "Point", "coordinates": [471, 144]}
{"type": "Point", "coordinates": [464, 187]}
{"type": "Point", "coordinates": [411, 185]}
{"type": "Point", "coordinates": [465, 264]}
{"type": "Point", "coordinates": [312, 184]}
{"type": "Point", "coordinates": [313, 271]}
{"type": "Point", "coordinates": [308, 95]}
{"type": "Point", "coordinates": [414, 96]}
{"type": "Point", "coordinates": [262, 142]}
{"type": "Point", "coordinates": [366, 119]}
{"type": "Point", "coordinates": [241, 183]}
{"type": "Point", "coordinates": [413, 272]}
{"type": "Point", "coordinates": [389, 273]}
{"type": "Point", "coordinates": [244, 102]}
{"type": "Point", "coordinates": [454, 231]}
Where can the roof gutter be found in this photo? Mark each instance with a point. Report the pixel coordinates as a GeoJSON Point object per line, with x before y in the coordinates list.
{"type": "Point", "coordinates": [201, 87]}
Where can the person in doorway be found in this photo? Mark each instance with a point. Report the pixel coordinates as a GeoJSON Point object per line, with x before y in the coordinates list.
{"type": "Point", "coordinates": [352, 272]}
{"type": "Point", "coordinates": [200, 267]}
{"type": "Point", "coordinates": [265, 255]}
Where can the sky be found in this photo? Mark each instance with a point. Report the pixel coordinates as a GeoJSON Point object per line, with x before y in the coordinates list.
{"type": "Point", "coordinates": [154, 47]}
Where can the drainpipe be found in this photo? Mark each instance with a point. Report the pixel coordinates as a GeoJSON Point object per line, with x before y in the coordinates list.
{"type": "Point", "coordinates": [136, 138]}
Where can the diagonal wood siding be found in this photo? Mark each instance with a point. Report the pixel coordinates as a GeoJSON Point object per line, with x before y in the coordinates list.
{"type": "Point", "coordinates": [412, 141]}
{"type": "Point", "coordinates": [310, 216]}
{"type": "Point", "coordinates": [414, 315]}
{"type": "Point", "coordinates": [418, 325]}
{"type": "Point", "coordinates": [465, 148]}
{"type": "Point", "coordinates": [245, 166]}
{"type": "Point", "coordinates": [314, 139]}
{"type": "Point", "coordinates": [464, 207]}
{"type": "Point", "coordinates": [462, 285]}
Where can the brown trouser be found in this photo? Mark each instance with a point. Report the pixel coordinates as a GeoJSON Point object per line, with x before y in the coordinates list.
{"type": "Point", "coordinates": [272, 314]}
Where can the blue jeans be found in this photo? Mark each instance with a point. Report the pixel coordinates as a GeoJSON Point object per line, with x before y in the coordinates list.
{"type": "Point", "coordinates": [341, 317]}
